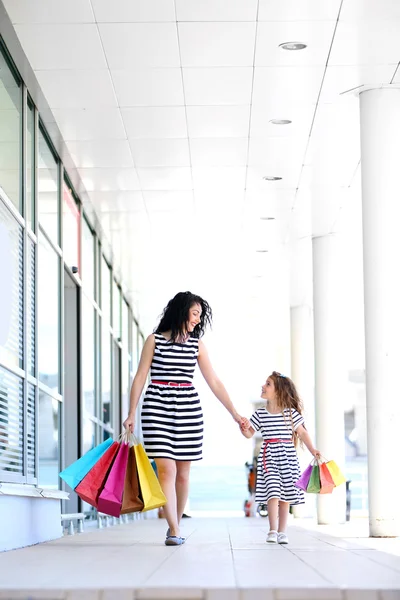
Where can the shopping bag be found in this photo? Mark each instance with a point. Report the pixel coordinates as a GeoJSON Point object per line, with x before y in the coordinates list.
{"type": "Point", "coordinates": [110, 499]}
{"type": "Point", "coordinates": [92, 484]}
{"type": "Point", "coordinates": [336, 473]}
{"type": "Point", "coordinates": [150, 488]}
{"type": "Point", "coordinates": [302, 483]}
{"type": "Point", "coordinates": [314, 485]}
{"type": "Point", "coordinates": [74, 474]}
{"type": "Point", "coordinates": [327, 483]}
{"type": "Point", "coordinates": [131, 499]}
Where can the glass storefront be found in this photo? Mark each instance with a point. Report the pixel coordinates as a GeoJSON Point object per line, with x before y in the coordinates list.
{"type": "Point", "coordinates": [46, 276]}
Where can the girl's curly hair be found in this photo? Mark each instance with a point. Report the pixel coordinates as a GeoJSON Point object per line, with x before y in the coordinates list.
{"type": "Point", "coordinates": [287, 397]}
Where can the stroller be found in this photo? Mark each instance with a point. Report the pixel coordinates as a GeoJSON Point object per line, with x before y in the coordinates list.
{"type": "Point", "coordinates": [250, 509]}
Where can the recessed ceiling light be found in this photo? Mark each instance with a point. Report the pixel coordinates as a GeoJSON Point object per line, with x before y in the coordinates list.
{"type": "Point", "coordinates": [267, 218]}
{"type": "Point", "coordinates": [262, 251]}
{"type": "Point", "coordinates": [271, 178]}
{"type": "Point", "coordinates": [293, 46]}
{"type": "Point", "coordinates": [280, 121]}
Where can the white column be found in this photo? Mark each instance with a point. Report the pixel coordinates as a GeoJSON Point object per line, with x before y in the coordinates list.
{"type": "Point", "coordinates": [330, 374]}
{"type": "Point", "coordinates": [380, 161]}
{"type": "Point", "coordinates": [302, 373]}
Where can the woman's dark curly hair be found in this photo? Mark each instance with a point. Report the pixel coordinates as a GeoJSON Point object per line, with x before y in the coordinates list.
{"type": "Point", "coordinates": [176, 314]}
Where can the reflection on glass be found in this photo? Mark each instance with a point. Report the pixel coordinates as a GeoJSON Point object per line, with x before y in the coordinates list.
{"type": "Point", "coordinates": [30, 167]}
{"type": "Point", "coordinates": [11, 410]}
{"type": "Point", "coordinates": [48, 314]}
{"type": "Point", "coordinates": [31, 308]}
{"type": "Point", "coordinates": [88, 435]}
{"type": "Point", "coordinates": [71, 229]}
{"type": "Point", "coordinates": [116, 311]}
{"type": "Point", "coordinates": [48, 189]}
{"type": "Point", "coordinates": [105, 291]}
{"type": "Point", "coordinates": [48, 441]}
{"type": "Point", "coordinates": [106, 377]}
{"type": "Point", "coordinates": [88, 356]}
{"type": "Point", "coordinates": [11, 278]}
{"type": "Point", "coordinates": [87, 259]}
{"type": "Point", "coordinates": [10, 134]}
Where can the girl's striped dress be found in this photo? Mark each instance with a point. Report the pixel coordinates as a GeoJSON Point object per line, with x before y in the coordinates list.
{"type": "Point", "coordinates": [277, 474]}
{"type": "Point", "coordinates": [172, 418]}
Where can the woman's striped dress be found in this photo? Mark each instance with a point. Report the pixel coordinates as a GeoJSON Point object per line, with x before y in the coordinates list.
{"type": "Point", "coordinates": [172, 418]}
{"type": "Point", "coordinates": [278, 473]}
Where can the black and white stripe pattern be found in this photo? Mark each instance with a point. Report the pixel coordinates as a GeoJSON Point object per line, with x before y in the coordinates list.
{"type": "Point", "coordinates": [281, 457]}
{"type": "Point", "coordinates": [172, 418]}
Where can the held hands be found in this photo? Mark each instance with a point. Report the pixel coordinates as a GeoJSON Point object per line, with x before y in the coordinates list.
{"type": "Point", "coordinates": [129, 423]}
{"type": "Point", "coordinates": [241, 421]}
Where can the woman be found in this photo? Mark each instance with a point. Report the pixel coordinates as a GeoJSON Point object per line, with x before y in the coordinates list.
{"type": "Point", "coordinates": [172, 419]}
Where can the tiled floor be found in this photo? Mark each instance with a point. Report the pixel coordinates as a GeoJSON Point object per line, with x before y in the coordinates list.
{"type": "Point", "coordinates": [223, 559]}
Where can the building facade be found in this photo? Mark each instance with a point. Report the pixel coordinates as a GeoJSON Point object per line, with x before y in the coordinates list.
{"type": "Point", "coordinates": [69, 341]}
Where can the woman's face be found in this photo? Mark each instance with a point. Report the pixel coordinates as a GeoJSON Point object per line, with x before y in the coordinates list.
{"type": "Point", "coordinates": [268, 390]}
{"type": "Point", "coordinates": [193, 317]}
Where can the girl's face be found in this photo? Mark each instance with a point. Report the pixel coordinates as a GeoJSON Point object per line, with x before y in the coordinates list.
{"type": "Point", "coordinates": [268, 390]}
{"type": "Point", "coordinates": [193, 317]}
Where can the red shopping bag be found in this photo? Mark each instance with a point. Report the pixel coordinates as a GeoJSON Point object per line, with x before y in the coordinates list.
{"type": "Point", "coordinates": [327, 483]}
{"type": "Point", "coordinates": [91, 485]}
{"type": "Point", "coordinates": [110, 499]}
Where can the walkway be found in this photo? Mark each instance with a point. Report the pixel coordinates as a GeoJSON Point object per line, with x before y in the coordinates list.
{"type": "Point", "coordinates": [223, 559]}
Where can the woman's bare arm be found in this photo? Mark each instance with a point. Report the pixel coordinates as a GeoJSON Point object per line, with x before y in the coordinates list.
{"type": "Point", "coordinates": [140, 380]}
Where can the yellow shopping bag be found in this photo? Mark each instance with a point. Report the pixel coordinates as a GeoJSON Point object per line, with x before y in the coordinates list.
{"type": "Point", "coordinates": [150, 488]}
{"type": "Point", "coordinates": [335, 472]}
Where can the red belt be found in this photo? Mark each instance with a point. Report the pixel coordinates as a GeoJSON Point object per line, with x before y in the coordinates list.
{"type": "Point", "coordinates": [272, 441]}
{"type": "Point", "coordinates": [173, 383]}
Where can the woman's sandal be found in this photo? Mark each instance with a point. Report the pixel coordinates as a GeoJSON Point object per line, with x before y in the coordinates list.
{"type": "Point", "coordinates": [173, 540]}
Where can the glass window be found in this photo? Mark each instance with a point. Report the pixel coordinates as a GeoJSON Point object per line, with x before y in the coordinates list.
{"type": "Point", "coordinates": [105, 291]}
{"type": "Point", "coordinates": [48, 419]}
{"type": "Point", "coordinates": [30, 167]}
{"type": "Point", "coordinates": [10, 134]}
{"type": "Point", "coordinates": [88, 259]}
{"type": "Point", "coordinates": [11, 277]}
{"type": "Point", "coordinates": [48, 190]}
{"type": "Point", "coordinates": [106, 376]}
{"type": "Point", "coordinates": [125, 324]}
{"type": "Point", "coordinates": [48, 314]}
{"type": "Point", "coordinates": [31, 308]}
{"type": "Point", "coordinates": [88, 356]}
{"type": "Point", "coordinates": [71, 229]}
{"type": "Point", "coordinates": [11, 430]}
{"type": "Point", "coordinates": [135, 358]}
{"type": "Point", "coordinates": [88, 436]}
{"type": "Point", "coordinates": [116, 310]}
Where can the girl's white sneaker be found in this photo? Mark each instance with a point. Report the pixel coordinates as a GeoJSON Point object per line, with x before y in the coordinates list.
{"type": "Point", "coordinates": [272, 537]}
{"type": "Point", "coordinates": [283, 538]}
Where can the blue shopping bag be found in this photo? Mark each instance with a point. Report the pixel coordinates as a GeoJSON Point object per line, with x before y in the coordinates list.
{"type": "Point", "coordinates": [74, 474]}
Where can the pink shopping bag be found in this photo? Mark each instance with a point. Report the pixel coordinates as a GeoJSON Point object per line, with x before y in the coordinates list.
{"type": "Point", "coordinates": [302, 483]}
{"type": "Point", "coordinates": [110, 499]}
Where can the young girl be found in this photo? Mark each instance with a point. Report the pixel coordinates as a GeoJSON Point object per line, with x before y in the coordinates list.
{"type": "Point", "coordinates": [281, 425]}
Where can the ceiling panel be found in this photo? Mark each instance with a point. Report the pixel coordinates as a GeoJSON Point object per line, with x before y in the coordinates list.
{"type": "Point", "coordinates": [292, 87]}
{"type": "Point", "coordinates": [155, 122]}
{"type": "Point", "coordinates": [216, 10]}
{"type": "Point", "coordinates": [165, 201]}
{"type": "Point", "coordinates": [370, 10]}
{"type": "Point", "coordinates": [160, 178]}
{"type": "Point", "coordinates": [160, 153]}
{"type": "Point", "coordinates": [119, 11]}
{"type": "Point", "coordinates": [110, 179]}
{"type": "Point", "coordinates": [130, 45]}
{"type": "Point", "coordinates": [225, 178]}
{"type": "Point", "coordinates": [62, 46]}
{"type": "Point", "coordinates": [275, 153]}
{"type": "Point", "coordinates": [211, 152]}
{"type": "Point", "coordinates": [148, 87]}
{"type": "Point", "coordinates": [318, 40]}
{"type": "Point", "coordinates": [48, 11]}
{"type": "Point", "coordinates": [124, 202]}
{"type": "Point", "coordinates": [90, 124]}
{"type": "Point", "coordinates": [218, 121]}
{"type": "Point", "coordinates": [271, 202]}
{"type": "Point", "coordinates": [375, 42]}
{"type": "Point", "coordinates": [77, 88]}
{"type": "Point", "coordinates": [108, 153]}
{"type": "Point", "coordinates": [217, 44]}
{"type": "Point", "coordinates": [218, 85]}
{"type": "Point", "coordinates": [293, 10]}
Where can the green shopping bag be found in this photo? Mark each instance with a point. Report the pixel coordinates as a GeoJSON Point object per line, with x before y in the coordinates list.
{"type": "Point", "coordinates": [314, 485]}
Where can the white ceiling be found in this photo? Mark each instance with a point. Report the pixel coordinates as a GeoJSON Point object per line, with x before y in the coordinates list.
{"type": "Point", "coordinates": [165, 108]}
